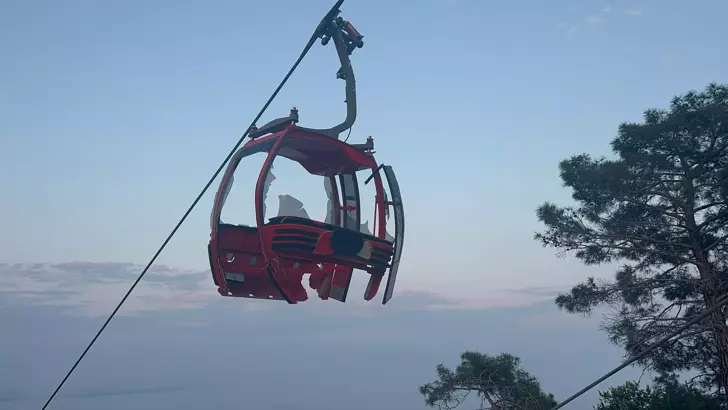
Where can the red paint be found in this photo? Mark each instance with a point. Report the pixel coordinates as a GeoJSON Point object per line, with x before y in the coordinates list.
{"type": "Point", "coordinates": [273, 256]}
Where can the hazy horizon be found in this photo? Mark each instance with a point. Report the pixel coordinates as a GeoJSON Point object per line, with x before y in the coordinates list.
{"type": "Point", "coordinates": [178, 344]}
{"type": "Point", "coordinates": [114, 115]}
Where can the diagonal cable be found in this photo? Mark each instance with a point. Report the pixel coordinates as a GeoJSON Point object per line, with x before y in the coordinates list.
{"type": "Point", "coordinates": [721, 302]}
{"type": "Point", "coordinates": [308, 46]}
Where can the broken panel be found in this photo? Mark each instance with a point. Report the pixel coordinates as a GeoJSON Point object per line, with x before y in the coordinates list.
{"type": "Point", "coordinates": [399, 231]}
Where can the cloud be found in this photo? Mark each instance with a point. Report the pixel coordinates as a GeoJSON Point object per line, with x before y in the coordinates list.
{"type": "Point", "coordinates": [589, 20]}
{"type": "Point", "coordinates": [549, 292]}
{"type": "Point", "coordinates": [570, 30]}
{"type": "Point", "coordinates": [596, 18]}
{"type": "Point", "coordinates": [94, 288]}
{"type": "Point", "coordinates": [593, 19]}
{"type": "Point", "coordinates": [495, 298]}
{"type": "Point", "coordinates": [186, 358]}
{"type": "Point", "coordinates": [632, 12]}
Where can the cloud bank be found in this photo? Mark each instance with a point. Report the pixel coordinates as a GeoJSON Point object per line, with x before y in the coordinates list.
{"type": "Point", "coordinates": [177, 344]}
{"type": "Point", "coordinates": [94, 288]}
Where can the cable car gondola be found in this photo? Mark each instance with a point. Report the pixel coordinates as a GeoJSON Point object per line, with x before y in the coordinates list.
{"type": "Point", "coordinates": [268, 261]}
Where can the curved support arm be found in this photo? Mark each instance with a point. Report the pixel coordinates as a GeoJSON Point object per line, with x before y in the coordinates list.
{"type": "Point", "coordinates": [342, 32]}
{"type": "Point", "coordinates": [347, 73]}
{"type": "Point", "coordinates": [346, 39]}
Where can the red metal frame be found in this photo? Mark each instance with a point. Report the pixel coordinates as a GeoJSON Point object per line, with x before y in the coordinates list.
{"type": "Point", "coordinates": [268, 261]}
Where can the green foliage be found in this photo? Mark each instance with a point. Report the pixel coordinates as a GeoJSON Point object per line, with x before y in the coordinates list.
{"type": "Point", "coordinates": [660, 207]}
{"type": "Point", "coordinates": [630, 396]}
{"type": "Point", "coordinates": [498, 382]}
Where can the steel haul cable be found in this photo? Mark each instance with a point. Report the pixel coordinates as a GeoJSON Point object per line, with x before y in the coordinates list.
{"type": "Point", "coordinates": [310, 43]}
{"type": "Point", "coordinates": [722, 302]}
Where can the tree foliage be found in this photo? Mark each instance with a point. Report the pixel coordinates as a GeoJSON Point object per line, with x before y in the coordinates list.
{"type": "Point", "coordinates": [673, 396]}
{"type": "Point", "coordinates": [497, 382]}
{"type": "Point", "coordinates": [660, 208]}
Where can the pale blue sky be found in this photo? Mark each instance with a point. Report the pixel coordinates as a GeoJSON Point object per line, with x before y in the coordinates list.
{"type": "Point", "coordinates": [113, 116]}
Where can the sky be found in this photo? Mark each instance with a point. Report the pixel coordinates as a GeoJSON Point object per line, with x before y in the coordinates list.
{"type": "Point", "coordinates": [114, 115]}
{"type": "Point", "coordinates": [176, 346]}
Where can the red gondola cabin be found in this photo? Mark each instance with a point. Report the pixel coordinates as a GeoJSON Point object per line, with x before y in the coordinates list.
{"type": "Point", "coordinates": [268, 261]}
